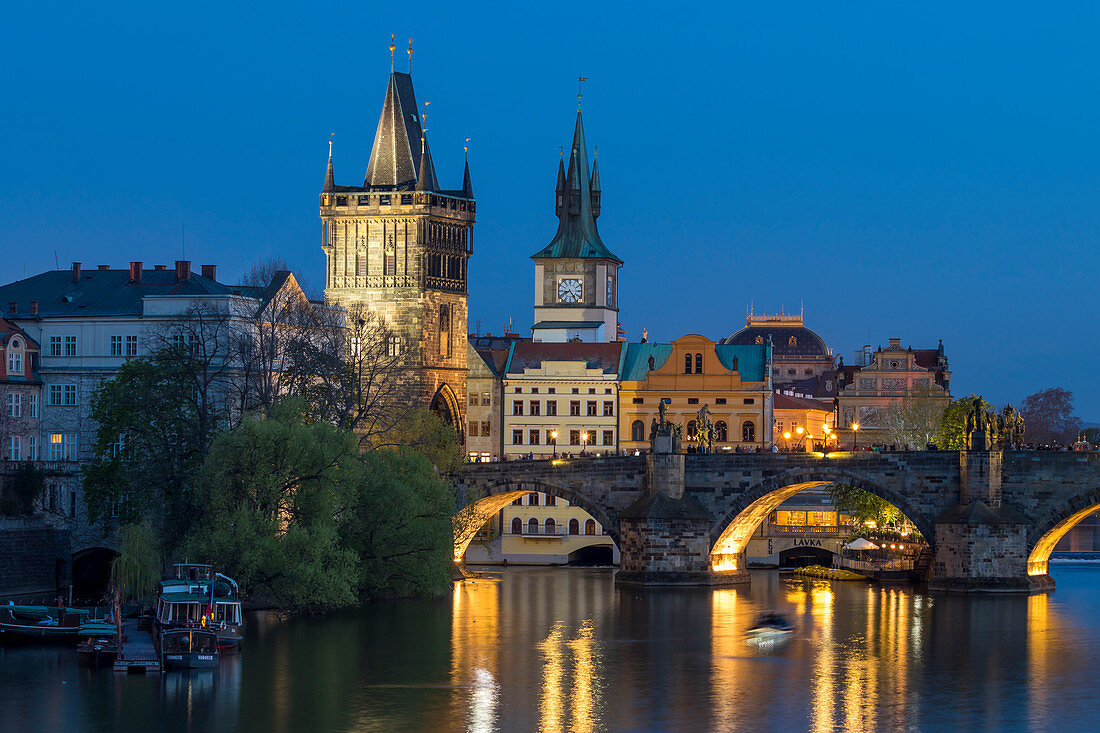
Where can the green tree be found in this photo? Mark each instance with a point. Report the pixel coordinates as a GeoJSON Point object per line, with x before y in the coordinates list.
{"type": "Point", "coordinates": [273, 488]}
{"type": "Point", "coordinates": [424, 432]}
{"type": "Point", "coordinates": [912, 422]}
{"type": "Point", "coordinates": [863, 506]}
{"type": "Point", "coordinates": [951, 434]}
{"type": "Point", "coordinates": [23, 490]}
{"type": "Point", "coordinates": [135, 573]}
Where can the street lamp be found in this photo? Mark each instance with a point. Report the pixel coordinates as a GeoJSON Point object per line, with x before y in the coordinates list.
{"type": "Point", "coordinates": [554, 440]}
{"type": "Point", "coordinates": [825, 440]}
{"type": "Point", "coordinates": [787, 440]}
{"type": "Point", "coordinates": [584, 441]}
{"type": "Point", "coordinates": [855, 432]}
{"type": "Point", "coordinates": [800, 430]}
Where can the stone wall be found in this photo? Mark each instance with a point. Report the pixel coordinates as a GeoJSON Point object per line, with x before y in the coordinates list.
{"type": "Point", "coordinates": [34, 557]}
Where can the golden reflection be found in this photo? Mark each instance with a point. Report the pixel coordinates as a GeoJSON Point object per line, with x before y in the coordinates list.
{"type": "Point", "coordinates": [725, 648]}
{"type": "Point", "coordinates": [1044, 662]}
{"type": "Point", "coordinates": [584, 707]}
{"type": "Point", "coordinates": [579, 710]}
{"type": "Point", "coordinates": [475, 662]}
{"type": "Point", "coordinates": [552, 699]}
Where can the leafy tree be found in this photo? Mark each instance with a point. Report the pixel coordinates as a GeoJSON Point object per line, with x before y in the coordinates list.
{"type": "Point", "coordinates": [425, 432]}
{"type": "Point", "coordinates": [135, 573]}
{"type": "Point", "coordinates": [398, 521]}
{"type": "Point", "coordinates": [1048, 417]}
{"type": "Point", "coordinates": [951, 434]}
{"type": "Point", "coordinates": [23, 490]}
{"type": "Point", "coordinates": [863, 506]}
{"type": "Point", "coordinates": [273, 487]}
{"type": "Point", "coordinates": [913, 421]}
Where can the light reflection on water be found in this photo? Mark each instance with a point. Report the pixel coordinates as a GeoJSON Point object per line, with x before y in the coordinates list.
{"type": "Point", "coordinates": [565, 650]}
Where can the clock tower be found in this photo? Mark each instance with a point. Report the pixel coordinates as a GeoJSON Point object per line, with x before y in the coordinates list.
{"type": "Point", "coordinates": [576, 276]}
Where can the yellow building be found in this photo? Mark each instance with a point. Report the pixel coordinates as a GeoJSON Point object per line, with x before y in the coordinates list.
{"type": "Point", "coordinates": [732, 381]}
{"type": "Point", "coordinates": [561, 398]}
{"type": "Point", "coordinates": [486, 357]}
{"type": "Point", "coordinates": [540, 529]}
{"type": "Point", "coordinates": [801, 423]}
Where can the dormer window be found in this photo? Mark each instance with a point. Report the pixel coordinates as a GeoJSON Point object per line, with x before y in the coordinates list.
{"type": "Point", "coordinates": [792, 341]}
{"type": "Point", "coordinates": [759, 340]}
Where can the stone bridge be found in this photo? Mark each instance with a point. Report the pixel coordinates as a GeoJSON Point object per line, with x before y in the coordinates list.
{"type": "Point", "coordinates": [992, 518]}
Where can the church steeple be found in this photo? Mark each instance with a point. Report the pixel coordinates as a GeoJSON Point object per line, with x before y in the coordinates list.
{"type": "Point", "coordinates": [467, 184]}
{"type": "Point", "coordinates": [395, 155]}
{"type": "Point", "coordinates": [425, 179]}
{"type": "Point", "coordinates": [594, 186]}
{"type": "Point", "coordinates": [330, 181]}
{"type": "Point", "coordinates": [559, 190]}
{"type": "Point", "coordinates": [577, 235]}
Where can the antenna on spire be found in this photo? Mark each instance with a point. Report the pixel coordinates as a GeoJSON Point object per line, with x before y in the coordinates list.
{"type": "Point", "coordinates": [561, 151]}
{"type": "Point", "coordinates": [580, 82]}
{"type": "Point", "coordinates": [466, 149]}
{"type": "Point", "coordinates": [392, 49]}
{"type": "Point", "coordinates": [424, 120]}
{"type": "Point", "coordinates": [330, 136]}
{"type": "Point", "coordinates": [410, 56]}
{"type": "Point", "coordinates": [595, 151]}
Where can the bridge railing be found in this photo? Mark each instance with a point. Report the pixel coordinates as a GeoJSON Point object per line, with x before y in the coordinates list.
{"type": "Point", "coordinates": [542, 531]}
{"type": "Point", "coordinates": [802, 529]}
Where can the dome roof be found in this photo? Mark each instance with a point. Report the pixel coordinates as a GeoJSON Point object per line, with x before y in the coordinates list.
{"type": "Point", "coordinates": [789, 341]}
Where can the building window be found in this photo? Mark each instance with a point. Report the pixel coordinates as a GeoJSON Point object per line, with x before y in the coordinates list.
{"type": "Point", "coordinates": [608, 408]}
{"type": "Point", "coordinates": [574, 408]}
{"type": "Point", "coordinates": [721, 433]}
{"type": "Point", "coordinates": [551, 437]}
{"type": "Point", "coordinates": [360, 265]}
{"type": "Point", "coordinates": [55, 346]}
{"type": "Point", "coordinates": [70, 395]}
{"type": "Point", "coordinates": [486, 400]}
{"type": "Point", "coordinates": [34, 405]}
{"type": "Point", "coordinates": [750, 401]}
{"type": "Point", "coordinates": [486, 428]}
{"type": "Point", "coordinates": [390, 264]}
{"type": "Point", "coordinates": [574, 437]}
{"type": "Point", "coordinates": [551, 390]}
{"type": "Point", "coordinates": [517, 437]}
{"type": "Point", "coordinates": [393, 345]}
{"type": "Point", "coordinates": [532, 526]}
{"type": "Point", "coordinates": [472, 430]}
{"type": "Point", "coordinates": [719, 400]}
{"type": "Point", "coordinates": [698, 363]}
{"type": "Point", "coordinates": [57, 447]}
{"type": "Point", "coordinates": [591, 408]}
{"type": "Point", "coordinates": [574, 526]}
{"type": "Point", "coordinates": [551, 500]}
{"type": "Point", "coordinates": [591, 390]}
{"type": "Point", "coordinates": [131, 346]}
{"type": "Point", "coordinates": [15, 363]}
{"type": "Point", "coordinates": [748, 432]}
{"type": "Point", "coordinates": [638, 401]}
{"type": "Point", "coordinates": [535, 407]}
{"type": "Point", "coordinates": [551, 408]}
{"type": "Point", "coordinates": [637, 430]}
{"type": "Point", "coordinates": [792, 341]}
{"type": "Point", "coordinates": [32, 454]}
{"type": "Point", "coordinates": [517, 407]}
{"type": "Point", "coordinates": [70, 346]}
{"type": "Point", "coordinates": [590, 437]}
{"type": "Point", "coordinates": [590, 526]}
{"type": "Point", "coordinates": [551, 526]}
{"type": "Point", "coordinates": [15, 404]}
{"type": "Point", "coordinates": [517, 525]}
{"type": "Point", "coordinates": [55, 394]}
{"type": "Point", "coordinates": [518, 390]}
{"type": "Point", "coordinates": [759, 340]}
{"type": "Point", "coordinates": [533, 499]}
{"type": "Point", "coordinates": [445, 330]}
{"type": "Point", "coordinates": [533, 435]}
{"type": "Point", "coordinates": [808, 372]}
{"type": "Point", "coordinates": [70, 446]}
{"type": "Point", "coordinates": [609, 437]}
{"type": "Point", "coordinates": [534, 390]}
{"type": "Point", "coordinates": [687, 363]}
{"type": "Point", "coordinates": [473, 399]}
{"type": "Point", "coordinates": [576, 390]}
{"type": "Point", "coordinates": [15, 448]}
{"type": "Point", "coordinates": [116, 346]}
{"type": "Point", "coordinates": [693, 400]}
{"type": "Point", "coordinates": [692, 430]}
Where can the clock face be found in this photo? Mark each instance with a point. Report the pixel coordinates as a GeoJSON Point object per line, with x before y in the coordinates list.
{"type": "Point", "coordinates": [569, 290]}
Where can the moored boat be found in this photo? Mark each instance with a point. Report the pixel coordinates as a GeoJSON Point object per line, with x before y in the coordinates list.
{"type": "Point", "coordinates": [769, 626]}
{"type": "Point", "coordinates": [41, 623]}
{"type": "Point", "coordinates": [98, 643]}
{"type": "Point", "coordinates": [195, 597]}
{"type": "Point", "coordinates": [185, 648]}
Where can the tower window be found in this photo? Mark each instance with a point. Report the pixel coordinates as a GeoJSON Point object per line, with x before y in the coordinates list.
{"type": "Point", "coordinates": [341, 200]}
{"type": "Point", "coordinates": [391, 263]}
{"type": "Point", "coordinates": [364, 200]}
{"type": "Point", "coordinates": [384, 199]}
{"type": "Point", "coordinates": [406, 198]}
{"type": "Point", "coordinates": [361, 265]}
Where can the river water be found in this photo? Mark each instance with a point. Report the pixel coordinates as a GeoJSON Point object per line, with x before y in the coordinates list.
{"type": "Point", "coordinates": [564, 649]}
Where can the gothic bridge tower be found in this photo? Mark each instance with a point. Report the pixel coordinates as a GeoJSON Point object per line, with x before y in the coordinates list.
{"type": "Point", "coordinates": [398, 245]}
{"type": "Point", "coordinates": [576, 275]}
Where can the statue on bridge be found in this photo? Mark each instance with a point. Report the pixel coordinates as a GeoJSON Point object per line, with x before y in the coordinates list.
{"type": "Point", "coordinates": [1012, 431]}
{"type": "Point", "coordinates": [664, 436]}
{"type": "Point", "coordinates": [986, 430]}
{"type": "Point", "coordinates": [704, 430]}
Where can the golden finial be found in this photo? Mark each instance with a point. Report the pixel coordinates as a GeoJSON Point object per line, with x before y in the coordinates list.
{"type": "Point", "coordinates": [330, 136]}
{"type": "Point", "coordinates": [466, 149]}
{"type": "Point", "coordinates": [424, 120]}
{"type": "Point", "coordinates": [561, 152]}
{"type": "Point", "coordinates": [392, 49]}
{"type": "Point", "coordinates": [580, 81]}
{"type": "Point", "coordinates": [595, 151]}
{"type": "Point", "coordinates": [410, 56]}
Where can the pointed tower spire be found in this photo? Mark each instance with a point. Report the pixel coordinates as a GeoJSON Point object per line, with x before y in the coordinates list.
{"type": "Point", "coordinates": [559, 190]}
{"type": "Point", "coordinates": [425, 180]}
{"type": "Point", "coordinates": [395, 155]}
{"type": "Point", "coordinates": [594, 183]}
{"type": "Point", "coordinates": [330, 181]}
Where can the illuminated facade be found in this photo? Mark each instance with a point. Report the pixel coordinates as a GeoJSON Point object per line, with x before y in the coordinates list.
{"type": "Point", "coordinates": [732, 381]}
{"type": "Point", "coordinates": [801, 361]}
{"type": "Point", "coordinates": [398, 246]}
{"type": "Point", "coordinates": [487, 357]}
{"type": "Point", "coordinates": [800, 422]}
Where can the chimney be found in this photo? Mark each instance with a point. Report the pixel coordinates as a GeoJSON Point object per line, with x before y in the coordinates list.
{"type": "Point", "coordinates": [76, 272]}
{"type": "Point", "coordinates": [160, 268]}
{"type": "Point", "coordinates": [34, 307]}
{"type": "Point", "coordinates": [104, 267]}
{"type": "Point", "coordinates": [135, 272]}
{"type": "Point", "coordinates": [183, 270]}
{"type": "Point", "coordinates": [210, 271]}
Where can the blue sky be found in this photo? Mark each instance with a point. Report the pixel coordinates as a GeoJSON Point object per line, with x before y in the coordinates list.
{"type": "Point", "coordinates": [919, 172]}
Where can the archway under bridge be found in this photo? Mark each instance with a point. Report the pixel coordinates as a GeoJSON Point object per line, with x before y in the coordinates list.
{"type": "Point", "coordinates": [1057, 525]}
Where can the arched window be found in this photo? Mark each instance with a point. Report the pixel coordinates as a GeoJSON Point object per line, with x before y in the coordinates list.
{"type": "Point", "coordinates": [687, 363]}
{"type": "Point", "coordinates": [590, 526]}
{"type": "Point", "coordinates": [748, 432]}
{"type": "Point", "coordinates": [692, 429]}
{"type": "Point", "coordinates": [517, 526]}
{"type": "Point", "coordinates": [721, 434]}
{"type": "Point", "coordinates": [532, 526]}
{"type": "Point", "coordinates": [698, 363]}
{"type": "Point", "coordinates": [637, 430]}
{"type": "Point", "coordinates": [551, 526]}
{"type": "Point", "coordinates": [574, 526]}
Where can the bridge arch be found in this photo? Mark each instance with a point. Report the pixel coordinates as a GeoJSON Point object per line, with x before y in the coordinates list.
{"type": "Point", "coordinates": [91, 568]}
{"type": "Point", "coordinates": [471, 518]}
{"type": "Point", "coordinates": [1055, 526]}
{"type": "Point", "coordinates": [731, 532]}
